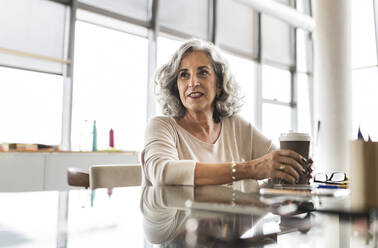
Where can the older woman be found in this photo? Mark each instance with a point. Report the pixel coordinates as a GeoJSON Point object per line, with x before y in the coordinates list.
{"type": "Point", "coordinates": [201, 140]}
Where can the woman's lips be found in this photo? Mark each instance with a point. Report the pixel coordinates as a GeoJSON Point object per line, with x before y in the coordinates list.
{"type": "Point", "coordinates": [195, 95]}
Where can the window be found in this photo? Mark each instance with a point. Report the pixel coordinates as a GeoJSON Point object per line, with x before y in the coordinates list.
{"type": "Point", "coordinates": [36, 27]}
{"type": "Point", "coordinates": [363, 34]}
{"type": "Point", "coordinates": [111, 65]}
{"type": "Point", "coordinates": [31, 106]}
{"type": "Point", "coordinates": [277, 41]}
{"type": "Point", "coordinates": [276, 84]}
{"type": "Point", "coordinates": [244, 71]}
{"type": "Point", "coordinates": [303, 105]}
{"type": "Point", "coordinates": [244, 38]}
{"type": "Point", "coordinates": [165, 49]}
{"type": "Point", "coordinates": [137, 9]}
{"type": "Point", "coordinates": [276, 119]}
{"type": "Point", "coordinates": [365, 73]}
{"type": "Point", "coordinates": [303, 50]}
{"type": "Point", "coordinates": [365, 102]}
{"type": "Point", "coordinates": [276, 111]}
{"type": "Point", "coordinates": [110, 86]}
{"type": "Point", "coordinates": [187, 17]}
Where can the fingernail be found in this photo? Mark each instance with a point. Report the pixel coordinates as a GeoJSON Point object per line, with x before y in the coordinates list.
{"type": "Point", "coordinates": [304, 160]}
{"type": "Point", "coordinates": [304, 171]}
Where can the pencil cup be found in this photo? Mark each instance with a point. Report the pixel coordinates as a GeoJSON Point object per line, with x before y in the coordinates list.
{"type": "Point", "coordinates": [364, 174]}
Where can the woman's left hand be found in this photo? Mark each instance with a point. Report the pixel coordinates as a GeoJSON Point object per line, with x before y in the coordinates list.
{"type": "Point", "coordinates": [279, 164]}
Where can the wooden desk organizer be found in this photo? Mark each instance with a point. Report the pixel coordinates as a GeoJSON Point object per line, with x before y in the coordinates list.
{"type": "Point", "coordinates": [364, 174]}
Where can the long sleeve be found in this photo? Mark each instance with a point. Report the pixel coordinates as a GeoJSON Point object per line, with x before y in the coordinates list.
{"type": "Point", "coordinates": [160, 160]}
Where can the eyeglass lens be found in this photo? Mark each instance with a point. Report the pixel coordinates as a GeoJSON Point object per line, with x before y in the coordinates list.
{"type": "Point", "coordinates": [338, 177]}
{"type": "Point", "coordinates": [321, 177]}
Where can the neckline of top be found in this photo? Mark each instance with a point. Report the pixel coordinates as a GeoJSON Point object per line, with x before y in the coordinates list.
{"type": "Point", "coordinates": [197, 139]}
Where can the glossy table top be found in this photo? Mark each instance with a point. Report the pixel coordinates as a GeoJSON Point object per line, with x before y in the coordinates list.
{"type": "Point", "coordinates": [175, 216]}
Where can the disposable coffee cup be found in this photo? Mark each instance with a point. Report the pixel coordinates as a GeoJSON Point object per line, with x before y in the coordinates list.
{"type": "Point", "coordinates": [300, 143]}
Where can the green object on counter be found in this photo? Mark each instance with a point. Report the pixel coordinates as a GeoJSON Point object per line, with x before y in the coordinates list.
{"type": "Point", "coordinates": [94, 142]}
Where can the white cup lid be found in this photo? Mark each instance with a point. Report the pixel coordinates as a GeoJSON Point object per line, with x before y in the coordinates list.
{"type": "Point", "coordinates": [294, 136]}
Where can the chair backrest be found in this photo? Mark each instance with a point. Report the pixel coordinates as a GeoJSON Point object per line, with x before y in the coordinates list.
{"type": "Point", "coordinates": [110, 176]}
{"type": "Point", "coordinates": [78, 177]}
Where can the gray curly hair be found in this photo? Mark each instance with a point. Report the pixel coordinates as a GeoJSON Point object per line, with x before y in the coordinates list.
{"type": "Point", "coordinates": [226, 104]}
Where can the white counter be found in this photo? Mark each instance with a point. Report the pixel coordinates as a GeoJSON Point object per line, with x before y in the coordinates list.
{"type": "Point", "coordinates": [36, 171]}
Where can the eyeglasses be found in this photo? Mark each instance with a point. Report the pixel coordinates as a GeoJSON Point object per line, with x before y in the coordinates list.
{"type": "Point", "coordinates": [335, 177]}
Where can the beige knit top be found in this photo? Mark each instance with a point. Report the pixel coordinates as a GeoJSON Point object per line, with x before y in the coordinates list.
{"type": "Point", "coordinates": [170, 153]}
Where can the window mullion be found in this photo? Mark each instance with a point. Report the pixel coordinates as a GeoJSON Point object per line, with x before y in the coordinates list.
{"type": "Point", "coordinates": [68, 78]}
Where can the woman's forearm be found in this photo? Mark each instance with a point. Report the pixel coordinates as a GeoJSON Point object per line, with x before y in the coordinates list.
{"type": "Point", "coordinates": [283, 164]}
{"type": "Point", "coordinates": [221, 173]}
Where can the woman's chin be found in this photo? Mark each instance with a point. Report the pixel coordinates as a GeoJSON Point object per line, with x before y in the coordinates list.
{"type": "Point", "coordinates": [199, 109]}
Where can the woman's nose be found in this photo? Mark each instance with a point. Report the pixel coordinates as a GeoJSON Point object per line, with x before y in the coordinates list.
{"type": "Point", "coordinates": [193, 82]}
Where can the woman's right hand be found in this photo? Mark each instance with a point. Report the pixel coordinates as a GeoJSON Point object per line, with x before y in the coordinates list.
{"type": "Point", "coordinates": [280, 164]}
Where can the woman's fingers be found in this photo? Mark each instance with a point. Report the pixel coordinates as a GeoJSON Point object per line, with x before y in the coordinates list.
{"type": "Point", "coordinates": [309, 168]}
{"type": "Point", "coordinates": [285, 176]}
{"type": "Point", "coordinates": [287, 168]}
{"type": "Point", "coordinates": [301, 161]}
{"type": "Point", "coordinates": [294, 155]}
{"type": "Point", "coordinates": [292, 163]}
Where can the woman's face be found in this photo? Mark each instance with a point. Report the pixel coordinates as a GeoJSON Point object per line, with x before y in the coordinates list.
{"type": "Point", "coordinates": [197, 82]}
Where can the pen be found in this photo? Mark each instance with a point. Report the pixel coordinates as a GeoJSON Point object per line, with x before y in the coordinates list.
{"type": "Point", "coordinates": [331, 186]}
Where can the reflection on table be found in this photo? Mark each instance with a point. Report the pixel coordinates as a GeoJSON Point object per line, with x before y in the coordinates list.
{"type": "Point", "coordinates": [216, 216]}
{"type": "Point", "coordinates": [175, 216]}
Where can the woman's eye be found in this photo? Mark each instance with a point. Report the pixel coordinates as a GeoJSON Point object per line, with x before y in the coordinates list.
{"type": "Point", "coordinates": [203, 73]}
{"type": "Point", "coordinates": [184, 75]}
